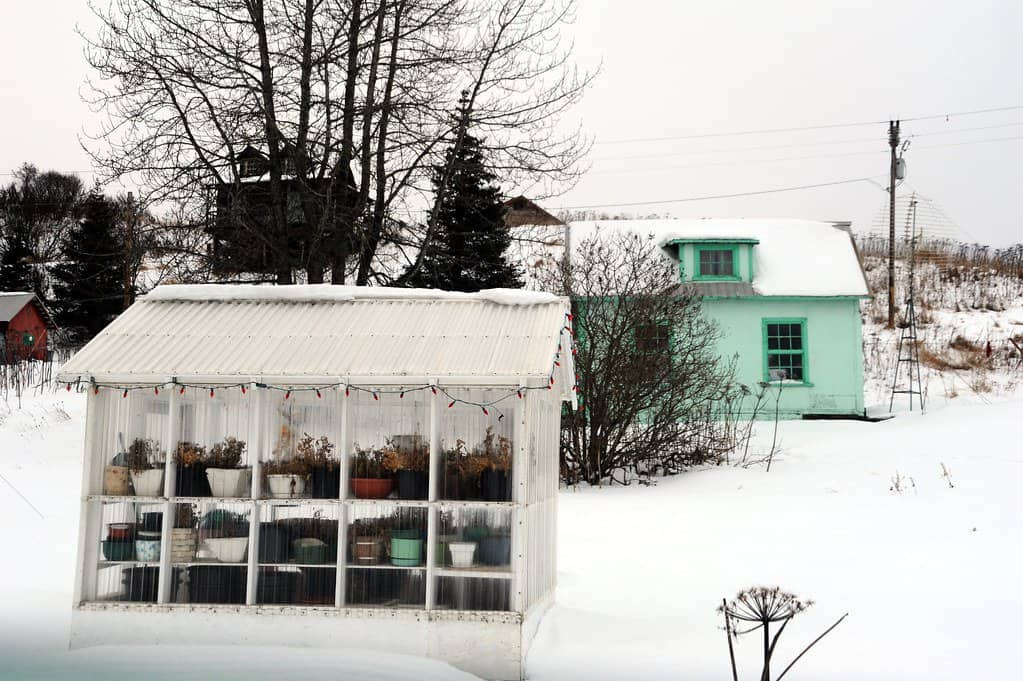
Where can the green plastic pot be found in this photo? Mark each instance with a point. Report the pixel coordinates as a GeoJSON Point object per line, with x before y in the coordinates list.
{"type": "Point", "coordinates": [405, 534]}
{"type": "Point", "coordinates": [310, 551]}
{"type": "Point", "coordinates": [476, 534]}
{"type": "Point", "coordinates": [406, 552]}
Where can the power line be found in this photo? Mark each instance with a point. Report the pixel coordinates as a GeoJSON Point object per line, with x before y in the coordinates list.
{"type": "Point", "coordinates": [828, 126]}
{"type": "Point", "coordinates": [719, 196]}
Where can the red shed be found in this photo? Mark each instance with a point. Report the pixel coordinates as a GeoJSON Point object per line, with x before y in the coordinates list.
{"type": "Point", "coordinates": [24, 324]}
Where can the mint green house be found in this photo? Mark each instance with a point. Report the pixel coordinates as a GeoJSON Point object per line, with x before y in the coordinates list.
{"type": "Point", "coordinates": [786, 295]}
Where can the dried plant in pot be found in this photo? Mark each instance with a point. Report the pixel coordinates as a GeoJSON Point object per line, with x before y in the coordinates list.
{"type": "Point", "coordinates": [371, 473]}
{"type": "Point", "coordinates": [190, 471]}
{"type": "Point", "coordinates": [225, 535]}
{"type": "Point", "coordinates": [224, 469]}
{"type": "Point", "coordinates": [323, 467]}
{"type": "Point", "coordinates": [146, 463]}
{"type": "Point", "coordinates": [494, 458]}
{"type": "Point", "coordinates": [286, 478]}
{"type": "Point", "coordinates": [368, 536]}
{"type": "Point", "coordinates": [456, 482]}
{"type": "Point", "coordinates": [409, 458]}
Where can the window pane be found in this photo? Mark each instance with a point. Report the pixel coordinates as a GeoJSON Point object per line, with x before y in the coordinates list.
{"type": "Point", "coordinates": [716, 263]}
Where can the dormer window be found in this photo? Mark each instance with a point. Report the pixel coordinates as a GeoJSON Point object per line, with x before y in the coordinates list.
{"type": "Point", "coordinates": [717, 262]}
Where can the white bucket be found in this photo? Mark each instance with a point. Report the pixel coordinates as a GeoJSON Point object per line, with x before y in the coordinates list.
{"type": "Point", "coordinates": [462, 553]}
{"type": "Point", "coordinates": [148, 483]}
{"type": "Point", "coordinates": [230, 482]}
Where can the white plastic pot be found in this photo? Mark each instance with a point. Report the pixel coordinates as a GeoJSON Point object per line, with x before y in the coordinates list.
{"type": "Point", "coordinates": [230, 482]}
{"type": "Point", "coordinates": [228, 550]}
{"type": "Point", "coordinates": [462, 553]}
{"type": "Point", "coordinates": [148, 483]}
{"type": "Point", "coordinates": [286, 486]}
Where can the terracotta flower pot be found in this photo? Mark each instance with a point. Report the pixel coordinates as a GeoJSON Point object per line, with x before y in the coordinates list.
{"type": "Point", "coordinates": [372, 488]}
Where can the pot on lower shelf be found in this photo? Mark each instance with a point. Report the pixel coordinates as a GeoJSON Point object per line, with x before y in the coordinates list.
{"type": "Point", "coordinates": [495, 550]}
{"type": "Point", "coordinates": [230, 482]}
{"type": "Point", "coordinates": [372, 488]}
{"type": "Point", "coordinates": [442, 555]}
{"type": "Point", "coordinates": [309, 551]}
{"type": "Point", "coordinates": [462, 553]}
{"type": "Point", "coordinates": [183, 544]}
{"type": "Point", "coordinates": [286, 486]}
{"type": "Point", "coordinates": [228, 549]}
{"type": "Point", "coordinates": [325, 482]}
{"type": "Point", "coordinates": [115, 481]}
{"type": "Point", "coordinates": [367, 550]}
{"type": "Point", "coordinates": [121, 531]}
{"type": "Point", "coordinates": [147, 550]}
{"type": "Point", "coordinates": [118, 549]}
{"type": "Point", "coordinates": [406, 552]}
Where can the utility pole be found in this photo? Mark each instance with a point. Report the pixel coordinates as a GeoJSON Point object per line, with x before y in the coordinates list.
{"type": "Point", "coordinates": [129, 233]}
{"type": "Point", "coordinates": [893, 142]}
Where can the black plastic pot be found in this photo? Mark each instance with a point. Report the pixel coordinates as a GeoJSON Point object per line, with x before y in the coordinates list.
{"type": "Point", "coordinates": [216, 584]}
{"type": "Point", "coordinates": [412, 485]}
{"type": "Point", "coordinates": [140, 584]}
{"type": "Point", "coordinates": [325, 483]}
{"type": "Point", "coordinates": [278, 586]}
{"type": "Point", "coordinates": [494, 550]}
{"type": "Point", "coordinates": [495, 485]}
{"type": "Point", "coordinates": [318, 585]}
{"type": "Point", "coordinates": [274, 542]}
{"type": "Point", "coordinates": [191, 481]}
{"type": "Point", "coordinates": [152, 522]}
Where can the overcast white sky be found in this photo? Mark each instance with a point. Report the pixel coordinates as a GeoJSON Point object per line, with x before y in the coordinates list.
{"type": "Point", "coordinates": [687, 68]}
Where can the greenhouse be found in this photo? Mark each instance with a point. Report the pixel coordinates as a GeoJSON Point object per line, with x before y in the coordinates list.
{"type": "Point", "coordinates": [382, 460]}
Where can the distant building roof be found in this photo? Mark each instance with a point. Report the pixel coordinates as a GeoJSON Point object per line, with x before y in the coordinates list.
{"type": "Point", "coordinates": [224, 333]}
{"type": "Point", "coordinates": [521, 211]}
{"type": "Point", "coordinates": [12, 303]}
{"type": "Point", "coordinates": [805, 258]}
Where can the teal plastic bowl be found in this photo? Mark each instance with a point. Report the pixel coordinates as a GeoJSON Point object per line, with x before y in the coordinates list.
{"type": "Point", "coordinates": [405, 534]}
{"type": "Point", "coordinates": [406, 552]}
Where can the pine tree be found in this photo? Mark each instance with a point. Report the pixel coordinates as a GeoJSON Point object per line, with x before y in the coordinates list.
{"type": "Point", "coordinates": [16, 271]}
{"type": "Point", "coordinates": [468, 250]}
{"type": "Point", "coordinates": [88, 283]}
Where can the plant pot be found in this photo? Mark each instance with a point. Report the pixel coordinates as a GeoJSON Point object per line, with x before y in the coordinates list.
{"type": "Point", "coordinates": [273, 543]}
{"type": "Point", "coordinates": [183, 544]}
{"type": "Point", "coordinates": [191, 481]}
{"type": "Point", "coordinates": [412, 484]}
{"type": "Point", "coordinates": [406, 552]}
{"type": "Point", "coordinates": [228, 549]}
{"type": "Point", "coordinates": [117, 549]}
{"type": "Point", "coordinates": [495, 551]}
{"type": "Point", "coordinates": [148, 483]}
{"type": "Point", "coordinates": [152, 522]}
{"type": "Point", "coordinates": [476, 533]}
{"type": "Point", "coordinates": [147, 550]}
{"type": "Point", "coordinates": [372, 488]}
{"type": "Point", "coordinates": [286, 486]}
{"type": "Point", "coordinates": [309, 551]}
{"type": "Point", "coordinates": [442, 556]}
{"type": "Point", "coordinates": [121, 531]}
{"type": "Point", "coordinates": [325, 482]}
{"type": "Point", "coordinates": [216, 584]}
{"type": "Point", "coordinates": [367, 550]}
{"type": "Point", "coordinates": [230, 482]}
{"type": "Point", "coordinates": [451, 485]}
{"type": "Point", "coordinates": [140, 584]}
{"type": "Point", "coordinates": [318, 586]}
{"type": "Point", "coordinates": [462, 553]}
{"type": "Point", "coordinates": [494, 485]}
{"type": "Point", "coordinates": [115, 481]}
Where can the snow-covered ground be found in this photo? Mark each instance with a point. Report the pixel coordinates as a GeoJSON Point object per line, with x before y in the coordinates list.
{"type": "Point", "coordinates": [928, 575]}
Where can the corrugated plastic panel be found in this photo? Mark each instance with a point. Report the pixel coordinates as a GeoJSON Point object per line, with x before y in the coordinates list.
{"type": "Point", "coordinates": [385, 337]}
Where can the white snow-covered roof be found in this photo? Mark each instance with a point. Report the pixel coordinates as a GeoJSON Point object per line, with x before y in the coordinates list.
{"type": "Point", "coordinates": [290, 334]}
{"type": "Point", "coordinates": [790, 258]}
{"type": "Point", "coordinates": [13, 302]}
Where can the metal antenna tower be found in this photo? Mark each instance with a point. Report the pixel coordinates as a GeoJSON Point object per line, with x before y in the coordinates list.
{"type": "Point", "coordinates": [909, 348]}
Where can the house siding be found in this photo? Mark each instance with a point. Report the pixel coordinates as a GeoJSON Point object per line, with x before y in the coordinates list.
{"type": "Point", "coordinates": [28, 320]}
{"type": "Point", "coordinates": [833, 360]}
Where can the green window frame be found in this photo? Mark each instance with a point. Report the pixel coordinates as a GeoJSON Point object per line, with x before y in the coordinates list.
{"type": "Point", "coordinates": [716, 261]}
{"type": "Point", "coordinates": [785, 351]}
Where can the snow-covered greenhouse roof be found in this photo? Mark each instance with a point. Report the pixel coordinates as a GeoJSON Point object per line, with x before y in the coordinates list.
{"type": "Point", "coordinates": [790, 257]}
{"type": "Point", "coordinates": [223, 333]}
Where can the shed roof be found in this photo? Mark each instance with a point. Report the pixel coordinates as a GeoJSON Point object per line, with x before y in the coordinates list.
{"type": "Point", "coordinates": [806, 258]}
{"type": "Point", "coordinates": [11, 303]}
{"type": "Point", "coordinates": [294, 334]}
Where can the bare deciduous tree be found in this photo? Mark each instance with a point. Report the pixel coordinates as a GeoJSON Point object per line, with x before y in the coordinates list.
{"type": "Point", "coordinates": [348, 99]}
{"type": "Point", "coordinates": [649, 376]}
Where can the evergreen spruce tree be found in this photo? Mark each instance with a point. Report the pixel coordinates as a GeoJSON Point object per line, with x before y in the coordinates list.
{"type": "Point", "coordinates": [16, 271]}
{"type": "Point", "coordinates": [468, 250]}
{"type": "Point", "coordinates": [88, 283]}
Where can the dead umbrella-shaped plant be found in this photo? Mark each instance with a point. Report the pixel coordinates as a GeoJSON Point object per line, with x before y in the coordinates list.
{"type": "Point", "coordinates": [759, 609]}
